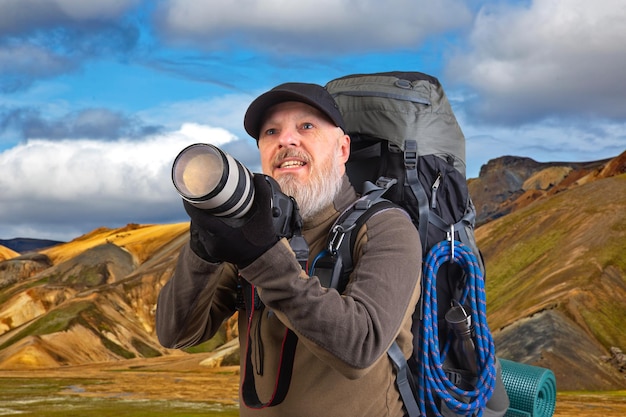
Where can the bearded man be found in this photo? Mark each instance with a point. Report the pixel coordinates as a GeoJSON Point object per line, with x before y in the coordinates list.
{"type": "Point", "coordinates": [309, 350]}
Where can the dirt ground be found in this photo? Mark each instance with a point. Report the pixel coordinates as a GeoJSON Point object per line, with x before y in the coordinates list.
{"type": "Point", "coordinates": [182, 378]}
{"type": "Point", "coordinates": [591, 405]}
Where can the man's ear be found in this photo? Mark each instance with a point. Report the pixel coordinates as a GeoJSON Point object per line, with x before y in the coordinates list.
{"type": "Point", "coordinates": [344, 147]}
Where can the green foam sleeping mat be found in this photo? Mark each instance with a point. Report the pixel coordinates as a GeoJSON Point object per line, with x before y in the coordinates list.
{"type": "Point", "coordinates": [531, 389]}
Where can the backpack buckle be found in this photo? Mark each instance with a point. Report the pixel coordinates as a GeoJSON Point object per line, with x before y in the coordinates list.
{"type": "Point", "coordinates": [410, 154]}
{"type": "Point", "coordinates": [393, 148]}
{"type": "Point", "coordinates": [385, 182]}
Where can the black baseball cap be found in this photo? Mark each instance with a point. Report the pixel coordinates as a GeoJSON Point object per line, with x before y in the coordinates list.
{"type": "Point", "coordinates": [311, 94]}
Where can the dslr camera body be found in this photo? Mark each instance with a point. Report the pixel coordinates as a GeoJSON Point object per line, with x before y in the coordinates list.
{"type": "Point", "coordinates": [217, 183]}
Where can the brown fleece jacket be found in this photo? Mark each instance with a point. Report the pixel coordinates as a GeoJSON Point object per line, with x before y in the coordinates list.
{"type": "Point", "coordinates": [340, 367]}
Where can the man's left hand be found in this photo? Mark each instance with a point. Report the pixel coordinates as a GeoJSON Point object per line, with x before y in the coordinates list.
{"type": "Point", "coordinates": [239, 241]}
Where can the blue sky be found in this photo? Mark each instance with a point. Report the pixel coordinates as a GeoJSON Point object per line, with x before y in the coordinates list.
{"type": "Point", "coordinates": [97, 97]}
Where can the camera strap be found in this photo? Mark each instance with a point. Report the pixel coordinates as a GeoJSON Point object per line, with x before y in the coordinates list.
{"type": "Point", "coordinates": [285, 367]}
{"type": "Point", "coordinates": [288, 346]}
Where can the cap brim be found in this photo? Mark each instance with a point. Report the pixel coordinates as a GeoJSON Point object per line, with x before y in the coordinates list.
{"type": "Point", "coordinates": [257, 109]}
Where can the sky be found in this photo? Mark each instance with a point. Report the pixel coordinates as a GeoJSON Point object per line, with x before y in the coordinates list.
{"type": "Point", "coordinates": [98, 97]}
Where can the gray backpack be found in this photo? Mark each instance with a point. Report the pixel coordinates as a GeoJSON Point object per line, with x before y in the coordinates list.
{"type": "Point", "coordinates": [407, 149]}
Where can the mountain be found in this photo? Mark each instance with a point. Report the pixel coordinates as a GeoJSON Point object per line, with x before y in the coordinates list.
{"type": "Point", "coordinates": [556, 282]}
{"type": "Point", "coordinates": [552, 236]}
{"type": "Point", "coordinates": [88, 300]}
{"type": "Point", "coordinates": [7, 253]}
{"type": "Point", "coordinates": [508, 183]}
{"type": "Point", "coordinates": [22, 245]}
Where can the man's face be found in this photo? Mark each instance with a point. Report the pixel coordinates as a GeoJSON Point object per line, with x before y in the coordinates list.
{"type": "Point", "coordinates": [305, 153]}
{"type": "Point", "coordinates": [296, 138]}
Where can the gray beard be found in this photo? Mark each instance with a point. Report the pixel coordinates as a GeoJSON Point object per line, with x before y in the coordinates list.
{"type": "Point", "coordinates": [317, 194]}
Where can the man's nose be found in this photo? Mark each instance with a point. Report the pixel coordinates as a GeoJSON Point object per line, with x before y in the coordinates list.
{"type": "Point", "coordinates": [289, 137]}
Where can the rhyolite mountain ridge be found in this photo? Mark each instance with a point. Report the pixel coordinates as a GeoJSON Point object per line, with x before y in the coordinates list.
{"type": "Point", "coordinates": [552, 235]}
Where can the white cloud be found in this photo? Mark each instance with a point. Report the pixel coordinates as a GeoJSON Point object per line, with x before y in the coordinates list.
{"type": "Point", "coordinates": [23, 15]}
{"type": "Point", "coordinates": [69, 184]}
{"type": "Point", "coordinates": [93, 9]}
{"type": "Point", "coordinates": [547, 58]}
{"type": "Point", "coordinates": [328, 25]}
{"type": "Point", "coordinates": [226, 111]}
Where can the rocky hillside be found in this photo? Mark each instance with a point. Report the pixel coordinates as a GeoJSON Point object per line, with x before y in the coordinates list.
{"type": "Point", "coordinates": [88, 300]}
{"type": "Point", "coordinates": [556, 282]}
{"type": "Point", "coordinates": [508, 183]}
{"type": "Point", "coordinates": [552, 236]}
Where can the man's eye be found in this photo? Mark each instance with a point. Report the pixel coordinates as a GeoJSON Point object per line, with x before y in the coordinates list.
{"type": "Point", "coordinates": [307, 125]}
{"type": "Point", "coordinates": [270, 132]}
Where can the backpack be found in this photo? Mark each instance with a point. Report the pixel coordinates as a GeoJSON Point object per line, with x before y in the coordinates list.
{"type": "Point", "coordinates": [407, 149]}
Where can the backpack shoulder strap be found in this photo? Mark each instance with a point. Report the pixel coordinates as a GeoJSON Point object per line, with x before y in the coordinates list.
{"type": "Point", "coordinates": [351, 220]}
{"type": "Point", "coordinates": [404, 380]}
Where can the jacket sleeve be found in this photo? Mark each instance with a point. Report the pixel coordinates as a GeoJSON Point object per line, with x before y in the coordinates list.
{"type": "Point", "coordinates": [195, 301]}
{"type": "Point", "coordinates": [353, 330]}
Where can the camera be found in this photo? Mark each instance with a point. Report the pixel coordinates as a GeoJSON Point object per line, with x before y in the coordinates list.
{"type": "Point", "coordinates": [214, 181]}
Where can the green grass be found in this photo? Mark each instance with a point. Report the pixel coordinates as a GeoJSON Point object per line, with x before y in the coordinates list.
{"type": "Point", "coordinates": [620, 394]}
{"type": "Point", "coordinates": [51, 397]}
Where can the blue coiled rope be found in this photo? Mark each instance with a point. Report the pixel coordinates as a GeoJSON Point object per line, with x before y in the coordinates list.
{"type": "Point", "coordinates": [435, 385]}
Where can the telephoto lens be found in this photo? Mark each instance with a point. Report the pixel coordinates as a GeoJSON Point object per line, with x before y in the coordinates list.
{"type": "Point", "coordinates": [212, 180]}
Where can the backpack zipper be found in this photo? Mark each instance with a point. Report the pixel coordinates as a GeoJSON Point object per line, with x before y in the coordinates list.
{"type": "Point", "coordinates": [433, 191]}
{"type": "Point", "coordinates": [412, 96]}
